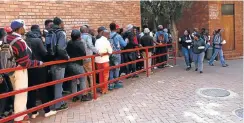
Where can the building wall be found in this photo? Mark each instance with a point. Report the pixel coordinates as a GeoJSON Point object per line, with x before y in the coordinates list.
{"type": "Point", "coordinates": [195, 16]}
{"type": "Point", "coordinates": [238, 26]}
{"type": "Point", "coordinates": [73, 13]}
{"type": "Point", "coordinates": [205, 15]}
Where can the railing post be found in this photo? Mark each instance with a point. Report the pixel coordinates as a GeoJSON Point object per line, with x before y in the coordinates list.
{"type": "Point", "coordinates": [94, 88]}
{"type": "Point", "coordinates": [147, 62]}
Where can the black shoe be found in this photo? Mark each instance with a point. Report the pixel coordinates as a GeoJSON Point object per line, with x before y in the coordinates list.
{"type": "Point", "coordinates": [75, 99]}
{"type": "Point", "coordinates": [62, 108]}
{"type": "Point", "coordinates": [188, 68]}
{"type": "Point", "coordinates": [226, 65]}
{"type": "Point", "coordinates": [135, 76]}
{"type": "Point", "coordinates": [85, 98]}
{"type": "Point", "coordinates": [196, 69]}
{"type": "Point", "coordinates": [201, 72]}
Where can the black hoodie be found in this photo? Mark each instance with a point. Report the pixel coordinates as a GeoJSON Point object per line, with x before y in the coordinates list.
{"type": "Point", "coordinates": [34, 41]}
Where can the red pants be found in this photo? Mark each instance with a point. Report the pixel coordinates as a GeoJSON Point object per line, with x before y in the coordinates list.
{"type": "Point", "coordinates": [103, 76]}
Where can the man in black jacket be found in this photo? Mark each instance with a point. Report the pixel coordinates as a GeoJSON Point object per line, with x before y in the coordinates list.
{"type": "Point", "coordinates": [37, 75]}
{"type": "Point", "coordinates": [130, 56]}
{"type": "Point", "coordinates": [58, 70]}
{"type": "Point", "coordinates": [76, 48]}
{"type": "Point", "coordinates": [147, 41]}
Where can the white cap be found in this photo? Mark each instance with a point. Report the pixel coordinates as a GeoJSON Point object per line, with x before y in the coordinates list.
{"type": "Point", "coordinates": [129, 27]}
{"type": "Point", "coordinates": [146, 30]}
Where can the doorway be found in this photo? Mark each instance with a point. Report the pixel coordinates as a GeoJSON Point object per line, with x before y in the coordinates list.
{"type": "Point", "coordinates": [227, 21]}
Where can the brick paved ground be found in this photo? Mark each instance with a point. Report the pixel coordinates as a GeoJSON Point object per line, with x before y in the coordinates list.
{"type": "Point", "coordinates": [168, 96]}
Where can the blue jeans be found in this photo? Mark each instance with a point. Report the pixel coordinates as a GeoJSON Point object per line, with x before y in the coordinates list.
{"type": "Point", "coordinates": [188, 55]}
{"type": "Point", "coordinates": [198, 60]}
{"type": "Point", "coordinates": [114, 73]}
{"type": "Point", "coordinates": [58, 72]}
{"type": "Point", "coordinates": [221, 55]}
{"type": "Point", "coordinates": [76, 69]}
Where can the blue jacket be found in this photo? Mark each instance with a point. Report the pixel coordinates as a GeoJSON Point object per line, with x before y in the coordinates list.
{"type": "Point", "coordinates": [118, 41]}
{"type": "Point", "coordinates": [166, 36]}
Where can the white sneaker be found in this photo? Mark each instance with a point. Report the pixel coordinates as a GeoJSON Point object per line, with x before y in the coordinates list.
{"type": "Point", "coordinates": [33, 116]}
{"type": "Point", "coordinates": [50, 113]}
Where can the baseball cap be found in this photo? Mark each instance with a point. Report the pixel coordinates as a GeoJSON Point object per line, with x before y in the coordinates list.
{"type": "Point", "coordinates": [160, 26]}
{"type": "Point", "coordinates": [100, 29]}
{"type": "Point", "coordinates": [129, 27]}
{"type": "Point", "coordinates": [8, 29]}
{"type": "Point", "coordinates": [146, 30]}
{"type": "Point", "coordinates": [117, 26]}
{"type": "Point", "coordinates": [17, 24]}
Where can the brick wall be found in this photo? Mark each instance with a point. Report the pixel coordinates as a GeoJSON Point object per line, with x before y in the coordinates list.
{"type": "Point", "coordinates": [238, 26]}
{"type": "Point", "coordinates": [74, 13]}
{"type": "Point", "coordinates": [194, 17]}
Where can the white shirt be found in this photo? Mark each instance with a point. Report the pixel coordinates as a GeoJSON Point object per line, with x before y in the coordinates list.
{"type": "Point", "coordinates": [103, 46]}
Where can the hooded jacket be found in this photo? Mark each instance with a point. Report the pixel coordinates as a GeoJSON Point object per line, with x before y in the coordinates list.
{"type": "Point", "coordinates": [34, 41]}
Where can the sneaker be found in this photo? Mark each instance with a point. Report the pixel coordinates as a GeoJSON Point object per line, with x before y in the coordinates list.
{"type": "Point", "coordinates": [118, 85]}
{"type": "Point", "coordinates": [62, 108]}
{"type": "Point", "coordinates": [50, 113]}
{"type": "Point", "coordinates": [111, 86]}
{"type": "Point", "coordinates": [211, 64]}
{"type": "Point", "coordinates": [33, 116]}
{"type": "Point", "coordinates": [85, 98]}
{"type": "Point", "coordinates": [196, 69]}
{"type": "Point", "coordinates": [25, 120]}
{"type": "Point", "coordinates": [226, 65]}
{"type": "Point", "coordinates": [135, 76]}
{"type": "Point", "coordinates": [201, 72]}
{"type": "Point", "coordinates": [75, 99]}
{"type": "Point", "coordinates": [188, 68]}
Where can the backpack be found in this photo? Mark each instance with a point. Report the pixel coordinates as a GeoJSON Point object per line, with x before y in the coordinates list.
{"type": "Point", "coordinates": [112, 57]}
{"type": "Point", "coordinates": [51, 42]}
{"type": "Point", "coordinates": [7, 54]}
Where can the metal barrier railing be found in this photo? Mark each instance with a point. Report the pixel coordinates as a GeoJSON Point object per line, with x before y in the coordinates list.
{"type": "Point", "coordinates": [93, 73]}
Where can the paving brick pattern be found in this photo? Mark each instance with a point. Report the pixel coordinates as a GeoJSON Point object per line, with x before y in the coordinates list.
{"type": "Point", "coordinates": [167, 96]}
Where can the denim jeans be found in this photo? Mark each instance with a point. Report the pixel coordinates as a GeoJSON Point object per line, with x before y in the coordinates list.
{"type": "Point", "coordinates": [221, 55]}
{"type": "Point", "coordinates": [188, 56]}
{"type": "Point", "coordinates": [198, 60]}
{"type": "Point", "coordinates": [76, 69]}
{"type": "Point", "coordinates": [58, 72]}
{"type": "Point", "coordinates": [114, 73]}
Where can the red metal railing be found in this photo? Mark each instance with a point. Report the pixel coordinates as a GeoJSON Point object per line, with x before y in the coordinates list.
{"type": "Point", "coordinates": [93, 73]}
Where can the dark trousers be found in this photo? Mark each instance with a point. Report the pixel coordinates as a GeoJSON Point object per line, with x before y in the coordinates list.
{"type": "Point", "coordinates": [161, 50]}
{"type": "Point", "coordinates": [6, 104]}
{"type": "Point", "coordinates": [128, 58]}
{"type": "Point", "coordinates": [38, 76]}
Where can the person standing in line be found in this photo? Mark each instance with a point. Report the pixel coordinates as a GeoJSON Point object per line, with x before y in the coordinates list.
{"type": "Point", "coordinates": [103, 46]}
{"type": "Point", "coordinates": [90, 50]}
{"type": "Point", "coordinates": [198, 49]}
{"type": "Point", "coordinates": [186, 43]}
{"type": "Point", "coordinates": [218, 43]}
{"type": "Point", "coordinates": [130, 56]}
{"type": "Point", "coordinates": [37, 76]}
{"type": "Point", "coordinates": [147, 41]}
{"type": "Point", "coordinates": [76, 48]}
{"type": "Point", "coordinates": [58, 71]}
{"type": "Point", "coordinates": [160, 50]}
{"type": "Point", "coordinates": [48, 25]}
{"type": "Point", "coordinates": [117, 42]}
{"type": "Point", "coordinates": [19, 78]}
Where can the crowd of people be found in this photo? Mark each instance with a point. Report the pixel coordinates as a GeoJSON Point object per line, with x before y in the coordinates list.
{"type": "Point", "coordinates": [195, 45]}
{"type": "Point", "coordinates": [33, 48]}
{"type": "Point", "coordinates": [19, 48]}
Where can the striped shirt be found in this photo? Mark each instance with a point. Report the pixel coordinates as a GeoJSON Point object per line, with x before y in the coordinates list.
{"type": "Point", "coordinates": [21, 52]}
